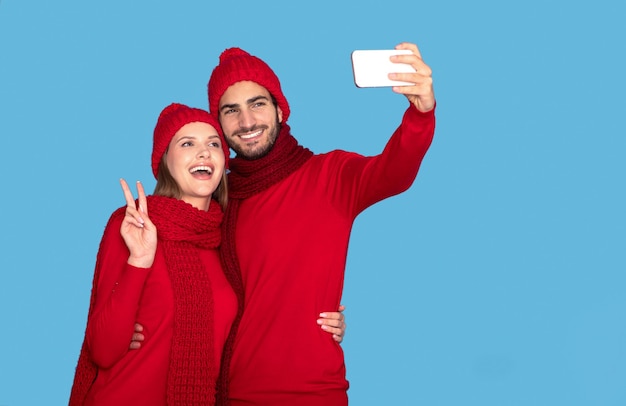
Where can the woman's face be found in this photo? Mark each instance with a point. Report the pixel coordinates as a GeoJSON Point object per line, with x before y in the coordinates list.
{"type": "Point", "coordinates": [195, 160]}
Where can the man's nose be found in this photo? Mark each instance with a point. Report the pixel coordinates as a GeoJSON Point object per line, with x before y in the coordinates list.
{"type": "Point", "coordinates": [246, 119]}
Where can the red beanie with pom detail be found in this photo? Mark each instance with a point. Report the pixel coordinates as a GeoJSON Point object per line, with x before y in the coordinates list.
{"type": "Point", "coordinates": [172, 119]}
{"type": "Point", "coordinates": [237, 65]}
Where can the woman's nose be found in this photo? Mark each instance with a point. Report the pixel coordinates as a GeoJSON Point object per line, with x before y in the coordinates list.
{"type": "Point", "coordinates": [204, 152]}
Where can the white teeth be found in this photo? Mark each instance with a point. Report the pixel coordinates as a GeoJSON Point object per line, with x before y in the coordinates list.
{"type": "Point", "coordinates": [254, 134]}
{"type": "Point", "coordinates": [202, 168]}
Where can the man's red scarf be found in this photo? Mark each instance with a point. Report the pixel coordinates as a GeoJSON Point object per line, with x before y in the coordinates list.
{"type": "Point", "coordinates": [247, 178]}
{"type": "Point", "coordinates": [182, 230]}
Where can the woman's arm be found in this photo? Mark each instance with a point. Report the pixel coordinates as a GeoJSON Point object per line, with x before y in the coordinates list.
{"type": "Point", "coordinates": [125, 256]}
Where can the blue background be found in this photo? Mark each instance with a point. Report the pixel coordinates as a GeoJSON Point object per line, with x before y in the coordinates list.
{"type": "Point", "coordinates": [497, 279]}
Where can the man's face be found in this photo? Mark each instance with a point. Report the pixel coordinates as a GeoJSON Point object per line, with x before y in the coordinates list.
{"type": "Point", "coordinates": [249, 119]}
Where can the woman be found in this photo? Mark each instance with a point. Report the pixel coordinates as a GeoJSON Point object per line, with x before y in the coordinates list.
{"type": "Point", "coordinates": [159, 266]}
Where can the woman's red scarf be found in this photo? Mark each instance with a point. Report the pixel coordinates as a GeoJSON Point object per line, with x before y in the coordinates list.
{"type": "Point", "coordinates": [247, 178]}
{"type": "Point", "coordinates": [182, 230]}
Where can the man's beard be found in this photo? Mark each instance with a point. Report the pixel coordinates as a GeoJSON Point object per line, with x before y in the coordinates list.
{"type": "Point", "coordinates": [250, 155]}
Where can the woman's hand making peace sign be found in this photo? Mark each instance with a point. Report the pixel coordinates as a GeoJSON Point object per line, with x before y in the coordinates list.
{"type": "Point", "coordinates": [138, 232]}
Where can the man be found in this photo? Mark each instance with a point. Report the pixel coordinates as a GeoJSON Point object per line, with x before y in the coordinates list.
{"type": "Point", "coordinates": [288, 225]}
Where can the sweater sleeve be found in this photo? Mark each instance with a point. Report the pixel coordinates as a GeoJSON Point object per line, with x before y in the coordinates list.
{"type": "Point", "coordinates": [117, 292]}
{"type": "Point", "coordinates": [360, 181]}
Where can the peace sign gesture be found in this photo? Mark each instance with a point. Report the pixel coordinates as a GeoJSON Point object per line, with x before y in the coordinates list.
{"type": "Point", "coordinates": [138, 232]}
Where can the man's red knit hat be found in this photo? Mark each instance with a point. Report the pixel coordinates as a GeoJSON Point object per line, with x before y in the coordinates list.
{"type": "Point", "coordinates": [172, 119]}
{"type": "Point", "coordinates": [237, 65]}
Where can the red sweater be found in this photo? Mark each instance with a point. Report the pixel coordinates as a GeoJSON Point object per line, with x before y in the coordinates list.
{"type": "Point", "coordinates": [125, 294]}
{"type": "Point", "coordinates": [292, 242]}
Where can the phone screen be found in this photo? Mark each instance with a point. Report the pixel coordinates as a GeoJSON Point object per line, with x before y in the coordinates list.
{"type": "Point", "coordinates": [371, 67]}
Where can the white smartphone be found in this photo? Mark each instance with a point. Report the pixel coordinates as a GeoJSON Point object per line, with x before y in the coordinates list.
{"type": "Point", "coordinates": [371, 67]}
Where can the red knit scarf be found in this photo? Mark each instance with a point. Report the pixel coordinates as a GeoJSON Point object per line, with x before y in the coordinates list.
{"type": "Point", "coordinates": [182, 230]}
{"type": "Point", "coordinates": [247, 178]}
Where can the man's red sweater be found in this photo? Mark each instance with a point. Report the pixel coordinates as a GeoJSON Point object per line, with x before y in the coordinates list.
{"type": "Point", "coordinates": [292, 242]}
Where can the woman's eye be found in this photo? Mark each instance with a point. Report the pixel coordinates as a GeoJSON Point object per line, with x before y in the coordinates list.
{"type": "Point", "coordinates": [186, 144]}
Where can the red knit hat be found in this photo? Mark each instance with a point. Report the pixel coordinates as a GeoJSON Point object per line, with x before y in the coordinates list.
{"type": "Point", "coordinates": [237, 65]}
{"type": "Point", "coordinates": [172, 119]}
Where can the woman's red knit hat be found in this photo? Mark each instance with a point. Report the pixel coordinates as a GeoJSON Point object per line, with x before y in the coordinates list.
{"type": "Point", "coordinates": [172, 119]}
{"type": "Point", "coordinates": [237, 65]}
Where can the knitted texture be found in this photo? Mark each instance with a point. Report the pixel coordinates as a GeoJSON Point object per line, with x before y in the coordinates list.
{"type": "Point", "coordinates": [237, 65]}
{"type": "Point", "coordinates": [247, 178]}
{"type": "Point", "coordinates": [86, 370]}
{"type": "Point", "coordinates": [182, 231]}
{"type": "Point", "coordinates": [172, 119]}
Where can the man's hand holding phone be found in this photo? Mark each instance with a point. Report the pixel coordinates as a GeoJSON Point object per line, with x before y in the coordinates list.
{"type": "Point", "coordinates": [401, 68]}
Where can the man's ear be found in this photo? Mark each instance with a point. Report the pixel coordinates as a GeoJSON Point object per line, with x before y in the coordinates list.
{"type": "Point", "coordinates": [280, 114]}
